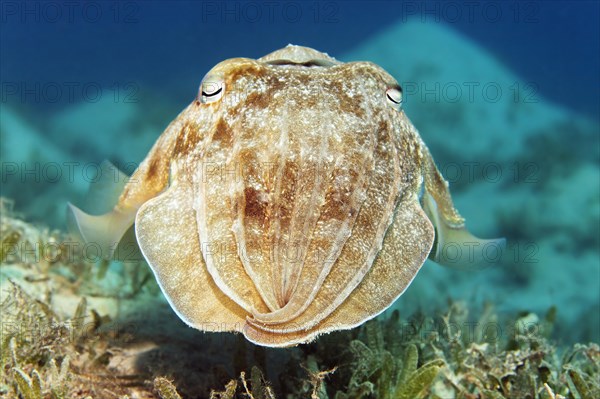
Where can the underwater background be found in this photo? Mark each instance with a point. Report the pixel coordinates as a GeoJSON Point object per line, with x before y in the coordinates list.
{"type": "Point", "coordinates": [505, 94]}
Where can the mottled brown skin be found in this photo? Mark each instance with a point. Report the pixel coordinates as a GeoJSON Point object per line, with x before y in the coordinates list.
{"type": "Point", "coordinates": [289, 207]}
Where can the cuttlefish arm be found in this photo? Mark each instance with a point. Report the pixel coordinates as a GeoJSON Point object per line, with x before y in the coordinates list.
{"type": "Point", "coordinates": [166, 230]}
{"type": "Point", "coordinates": [125, 195]}
{"type": "Point", "coordinates": [454, 245]}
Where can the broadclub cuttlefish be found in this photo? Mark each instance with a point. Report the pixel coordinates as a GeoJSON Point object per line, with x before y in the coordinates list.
{"type": "Point", "coordinates": [292, 198]}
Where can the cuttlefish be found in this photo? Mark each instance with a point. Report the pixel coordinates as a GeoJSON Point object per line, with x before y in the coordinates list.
{"type": "Point", "coordinates": [293, 197]}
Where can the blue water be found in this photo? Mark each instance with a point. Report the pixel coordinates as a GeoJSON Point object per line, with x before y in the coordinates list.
{"type": "Point", "coordinates": [170, 45]}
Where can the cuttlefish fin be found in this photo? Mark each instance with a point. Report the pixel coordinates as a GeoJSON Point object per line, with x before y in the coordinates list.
{"type": "Point", "coordinates": [454, 245]}
{"type": "Point", "coordinates": [106, 230]}
{"type": "Point", "coordinates": [105, 190]}
{"type": "Point", "coordinates": [115, 198]}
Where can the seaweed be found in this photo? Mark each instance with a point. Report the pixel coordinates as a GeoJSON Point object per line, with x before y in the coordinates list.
{"type": "Point", "coordinates": [435, 358]}
{"type": "Point", "coordinates": [165, 388]}
{"type": "Point", "coordinates": [458, 353]}
{"type": "Point", "coordinates": [34, 341]}
{"type": "Point", "coordinates": [385, 375]}
{"type": "Point", "coordinates": [256, 388]}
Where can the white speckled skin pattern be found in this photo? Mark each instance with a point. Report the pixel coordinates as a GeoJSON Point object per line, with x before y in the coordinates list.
{"type": "Point", "coordinates": [290, 206]}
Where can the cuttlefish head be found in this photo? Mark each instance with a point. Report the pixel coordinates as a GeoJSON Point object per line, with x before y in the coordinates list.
{"type": "Point", "coordinates": [285, 201]}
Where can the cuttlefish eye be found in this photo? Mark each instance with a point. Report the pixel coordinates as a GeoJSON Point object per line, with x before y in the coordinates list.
{"type": "Point", "coordinates": [211, 89]}
{"type": "Point", "coordinates": [394, 96]}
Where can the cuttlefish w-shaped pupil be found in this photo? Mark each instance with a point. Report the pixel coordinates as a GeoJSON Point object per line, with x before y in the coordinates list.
{"type": "Point", "coordinates": [211, 91]}
{"type": "Point", "coordinates": [327, 233]}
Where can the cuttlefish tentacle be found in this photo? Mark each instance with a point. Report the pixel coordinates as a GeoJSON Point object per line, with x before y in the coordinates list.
{"type": "Point", "coordinates": [405, 247]}
{"type": "Point", "coordinates": [215, 215]}
{"type": "Point", "coordinates": [251, 190]}
{"type": "Point", "coordinates": [454, 245]}
{"type": "Point", "coordinates": [342, 191]}
{"type": "Point", "coordinates": [359, 251]}
{"type": "Point", "coordinates": [167, 233]}
{"type": "Point", "coordinates": [342, 188]}
{"type": "Point", "coordinates": [308, 197]}
{"type": "Point", "coordinates": [286, 183]}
